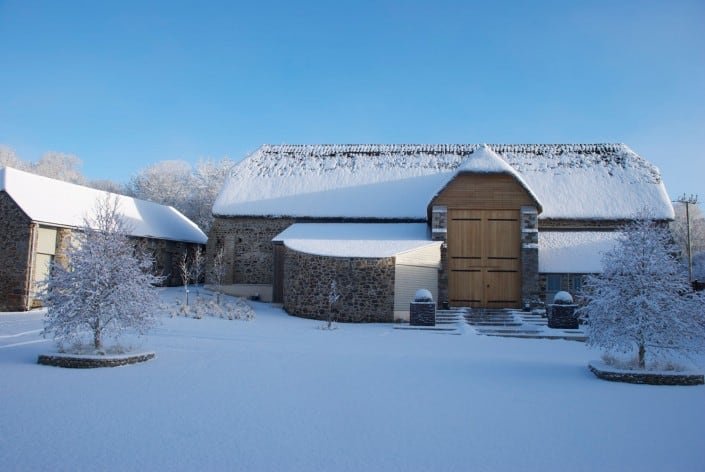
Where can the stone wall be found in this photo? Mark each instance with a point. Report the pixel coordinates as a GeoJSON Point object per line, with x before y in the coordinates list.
{"type": "Point", "coordinates": [90, 362]}
{"type": "Point", "coordinates": [15, 249]}
{"type": "Point", "coordinates": [530, 293]}
{"type": "Point", "coordinates": [167, 255]}
{"type": "Point", "coordinates": [651, 378]}
{"type": "Point", "coordinates": [366, 287]}
{"type": "Point", "coordinates": [597, 225]}
{"type": "Point", "coordinates": [248, 247]}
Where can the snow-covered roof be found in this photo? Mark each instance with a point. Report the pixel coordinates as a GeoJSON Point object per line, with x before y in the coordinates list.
{"type": "Point", "coordinates": [578, 252]}
{"type": "Point", "coordinates": [579, 181]}
{"type": "Point", "coordinates": [54, 202]}
{"type": "Point", "coordinates": [355, 239]}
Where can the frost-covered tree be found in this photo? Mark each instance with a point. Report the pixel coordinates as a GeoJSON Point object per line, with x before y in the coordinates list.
{"type": "Point", "coordinates": [184, 267]}
{"type": "Point", "coordinates": [107, 286]}
{"type": "Point", "coordinates": [699, 266]}
{"type": "Point", "coordinates": [108, 185]}
{"type": "Point", "coordinates": [207, 181]}
{"type": "Point", "coordinates": [60, 166]}
{"type": "Point", "coordinates": [642, 302]}
{"type": "Point", "coordinates": [166, 183]}
{"type": "Point", "coordinates": [218, 271]}
{"type": "Point", "coordinates": [192, 191]}
{"type": "Point", "coordinates": [9, 158]}
{"type": "Point", "coordinates": [198, 263]}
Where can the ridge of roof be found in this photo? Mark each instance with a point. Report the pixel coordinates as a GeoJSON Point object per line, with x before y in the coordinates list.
{"type": "Point", "coordinates": [333, 149]}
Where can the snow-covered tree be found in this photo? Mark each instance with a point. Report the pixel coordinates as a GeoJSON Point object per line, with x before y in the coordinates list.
{"type": "Point", "coordinates": [60, 166]}
{"type": "Point", "coordinates": [207, 181]}
{"type": "Point", "coordinates": [192, 191]}
{"type": "Point", "coordinates": [185, 273]}
{"type": "Point", "coordinates": [218, 271]}
{"type": "Point", "coordinates": [198, 263]}
{"type": "Point", "coordinates": [108, 185]}
{"type": "Point", "coordinates": [166, 183]}
{"type": "Point", "coordinates": [9, 158]}
{"type": "Point", "coordinates": [699, 266]}
{"type": "Point", "coordinates": [107, 286]}
{"type": "Point", "coordinates": [642, 301]}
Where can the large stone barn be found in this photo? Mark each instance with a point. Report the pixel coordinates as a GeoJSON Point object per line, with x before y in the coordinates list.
{"type": "Point", "coordinates": [479, 226]}
{"type": "Point", "coordinates": [38, 215]}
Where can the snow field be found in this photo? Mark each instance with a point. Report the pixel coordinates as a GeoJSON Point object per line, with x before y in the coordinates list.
{"type": "Point", "coordinates": [277, 393]}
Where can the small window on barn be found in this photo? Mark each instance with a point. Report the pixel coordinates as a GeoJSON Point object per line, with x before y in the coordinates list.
{"type": "Point", "coordinates": [576, 283]}
{"type": "Point", "coordinates": [553, 283]}
{"type": "Point", "coordinates": [553, 286]}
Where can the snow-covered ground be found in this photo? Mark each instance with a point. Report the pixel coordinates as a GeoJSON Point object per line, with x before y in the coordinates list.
{"type": "Point", "coordinates": [279, 394]}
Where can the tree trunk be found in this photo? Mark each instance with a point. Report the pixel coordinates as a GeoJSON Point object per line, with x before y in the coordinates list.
{"type": "Point", "coordinates": [642, 356]}
{"type": "Point", "coordinates": [97, 341]}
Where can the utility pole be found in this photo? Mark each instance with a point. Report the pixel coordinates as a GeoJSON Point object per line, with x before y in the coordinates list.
{"type": "Point", "coordinates": [687, 201]}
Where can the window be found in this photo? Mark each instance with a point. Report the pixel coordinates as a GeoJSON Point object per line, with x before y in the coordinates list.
{"type": "Point", "coordinates": [576, 283]}
{"type": "Point", "coordinates": [553, 283]}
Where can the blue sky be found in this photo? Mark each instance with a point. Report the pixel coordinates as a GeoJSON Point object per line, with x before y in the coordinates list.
{"type": "Point", "coordinates": [125, 83]}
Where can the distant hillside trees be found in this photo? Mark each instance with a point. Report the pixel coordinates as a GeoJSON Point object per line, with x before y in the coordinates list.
{"type": "Point", "coordinates": [190, 189]}
{"type": "Point", "coordinates": [57, 165]}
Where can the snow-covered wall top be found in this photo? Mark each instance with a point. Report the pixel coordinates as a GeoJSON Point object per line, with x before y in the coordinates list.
{"type": "Point", "coordinates": [59, 203]}
{"type": "Point", "coordinates": [355, 239]}
{"type": "Point", "coordinates": [590, 181]}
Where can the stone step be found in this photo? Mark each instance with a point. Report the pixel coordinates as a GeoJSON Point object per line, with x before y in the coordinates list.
{"type": "Point", "coordinates": [493, 324]}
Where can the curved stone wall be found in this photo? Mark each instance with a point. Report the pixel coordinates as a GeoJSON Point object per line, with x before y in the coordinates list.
{"type": "Point", "coordinates": [366, 287]}
{"type": "Point", "coordinates": [91, 362]}
{"type": "Point", "coordinates": [650, 378]}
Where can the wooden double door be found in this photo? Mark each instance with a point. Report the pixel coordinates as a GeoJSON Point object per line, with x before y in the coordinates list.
{"type": "Point", "coordinates": [484, 258]}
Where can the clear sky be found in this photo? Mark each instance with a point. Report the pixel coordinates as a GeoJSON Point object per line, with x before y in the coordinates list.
{"type": "Point", "coordinates": [123, 84]}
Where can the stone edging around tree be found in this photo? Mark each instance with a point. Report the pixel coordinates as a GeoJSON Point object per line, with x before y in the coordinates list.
{"type": "Point", "coordinates": [605, 372]}
{"type": "Point", "coordinates": [78, 361]}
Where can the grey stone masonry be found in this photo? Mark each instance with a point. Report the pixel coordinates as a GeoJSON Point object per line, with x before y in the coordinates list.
{"type": "Point", "coordinates": [439, 223]}
{"type": "Point", "coordinates": [248, 247]}
{"type": "Point", "coordinates": [530, 292]}
{"type": "Point", "coordinates": [15, 256]}
{"type": "Point", "coordinates": [365, 285]}
{"type": "Point", "coordinates": [439, 232]}
{"type": "Point", "coordinates": [422, 313]}
{"type": "Point", "coordinates": [562, 316]}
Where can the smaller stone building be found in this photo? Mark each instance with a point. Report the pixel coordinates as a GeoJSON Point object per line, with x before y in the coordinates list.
{"type": "Point", "coordinates": [377, 268]}
{"type": "Point", "coordinates": [38, 216]}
